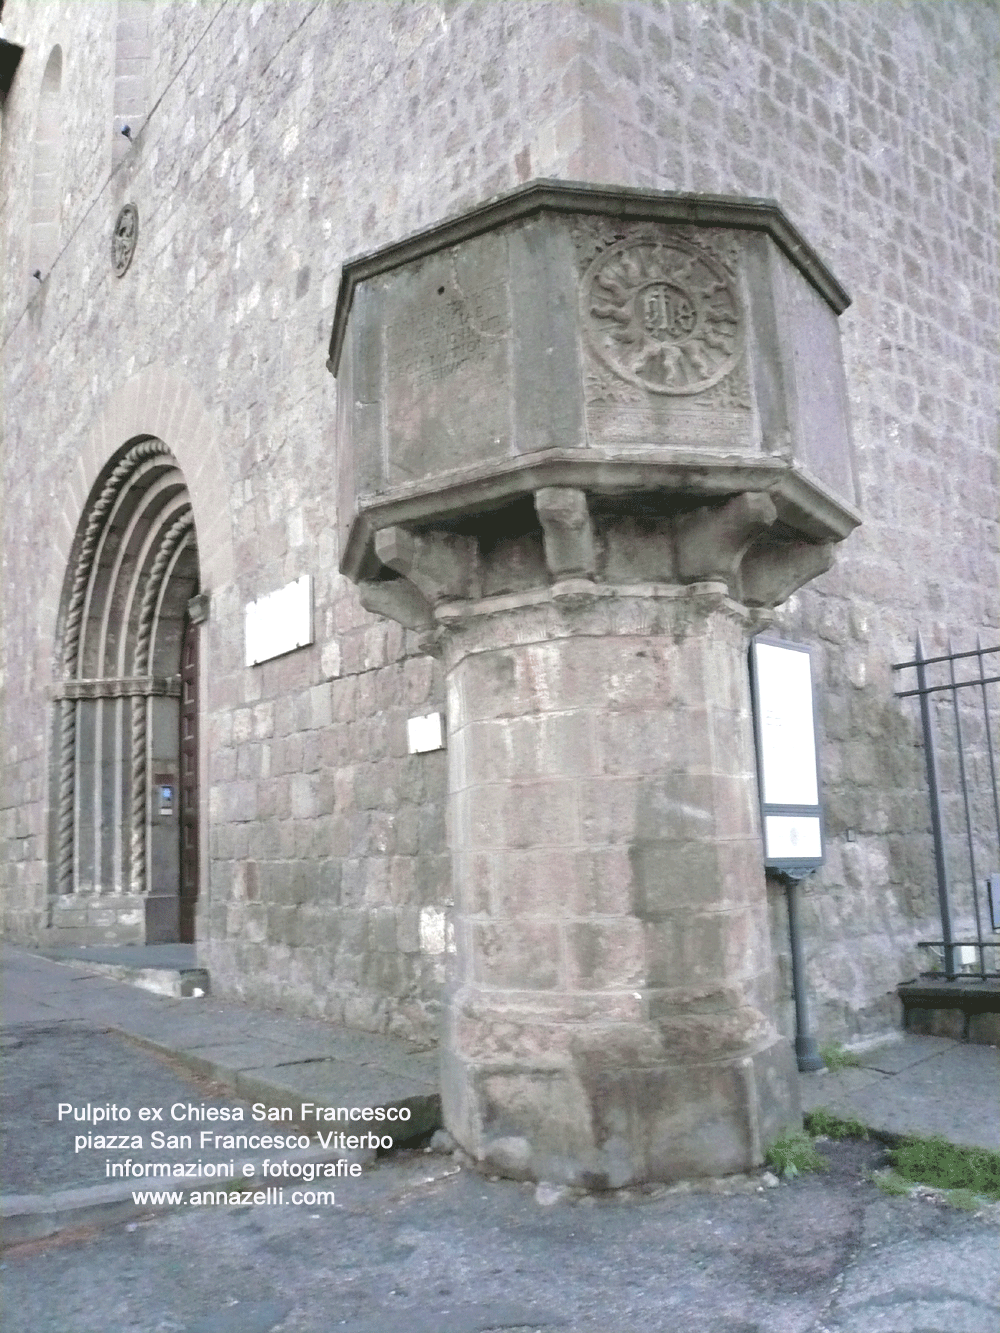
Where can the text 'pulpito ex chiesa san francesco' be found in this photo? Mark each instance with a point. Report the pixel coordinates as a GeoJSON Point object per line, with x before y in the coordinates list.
{"type": "Point", "coordinates": [474, 476]}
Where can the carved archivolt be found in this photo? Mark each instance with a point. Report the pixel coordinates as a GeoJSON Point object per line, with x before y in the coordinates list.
{"type": "Point", "coordinates": [96, 517]}
{"type": "Point", "coordinates": [136, 536]}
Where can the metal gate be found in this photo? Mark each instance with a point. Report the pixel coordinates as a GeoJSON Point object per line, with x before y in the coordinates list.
{"type": "Point", "coordinates": [959, 712]}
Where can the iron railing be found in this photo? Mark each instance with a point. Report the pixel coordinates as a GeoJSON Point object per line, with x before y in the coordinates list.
{"type": "Point", "coordinates": [959, 717]}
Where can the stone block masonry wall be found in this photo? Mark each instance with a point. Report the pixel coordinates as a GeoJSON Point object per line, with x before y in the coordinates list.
{"type": "Point", "coordinates": [282, 138]}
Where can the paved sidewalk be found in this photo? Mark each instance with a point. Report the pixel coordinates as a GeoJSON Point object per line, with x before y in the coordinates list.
{"type": "Point", "coordinates": [415, 1242]}
{"type": "Point", "coordinates": [264, 1055]}
{"type": "Point", "coordinates": [74, 1032]}
{"type": "Point", "coordinates": [917, 1085]}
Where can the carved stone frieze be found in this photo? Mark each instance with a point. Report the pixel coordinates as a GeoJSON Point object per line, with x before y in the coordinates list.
{"type": "Point", "coordinates": [118, 687]}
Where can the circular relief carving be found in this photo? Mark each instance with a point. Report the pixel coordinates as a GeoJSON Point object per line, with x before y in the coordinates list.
{"type": "Point", "coordinates": [663, 314]}
{"type": "Point", "coordinates": [124, 239]}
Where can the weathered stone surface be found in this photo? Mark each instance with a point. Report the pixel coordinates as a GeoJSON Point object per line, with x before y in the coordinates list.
{"type": "Point", "coordinates": [434, 346]}
{"type": "Point", "coordinates": [568, 534]}
{"type": "Point", "coordinates": [541, 965]}
{"type": "Point", "coordinates": [570, 697]}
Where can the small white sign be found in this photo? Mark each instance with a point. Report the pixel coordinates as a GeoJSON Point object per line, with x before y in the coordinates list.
{"type": "Point", "coordinates": [280, 622]}
{"type": "Point", "coordinates": [424, 733]}
{"type": "Point", "coordinates": [787, 837]}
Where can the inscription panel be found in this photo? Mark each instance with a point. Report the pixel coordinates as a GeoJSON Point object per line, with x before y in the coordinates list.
{"type": "Point", "coordinates": [446, 329]}
{"type": "Point", "coordinates": [446, 335]}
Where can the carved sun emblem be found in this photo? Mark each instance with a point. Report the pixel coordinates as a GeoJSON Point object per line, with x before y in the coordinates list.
{"type": "Point", "coordinates": [663, 314]}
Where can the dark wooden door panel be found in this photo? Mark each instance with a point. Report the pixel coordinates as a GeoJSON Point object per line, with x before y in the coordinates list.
{"type": "Point", "coordinates": [189, 782]}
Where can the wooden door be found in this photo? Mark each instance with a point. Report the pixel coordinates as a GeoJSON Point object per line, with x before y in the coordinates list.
{"type": "Point", "coordinates": [189, 782]}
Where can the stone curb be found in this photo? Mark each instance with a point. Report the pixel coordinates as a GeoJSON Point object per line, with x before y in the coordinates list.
{"type": "Point", "coordinates": [255, 1085]}
{"type": "Point", "coordinates": [176, 983]}
{"type": "Point", "coordinates": [25, 1217]}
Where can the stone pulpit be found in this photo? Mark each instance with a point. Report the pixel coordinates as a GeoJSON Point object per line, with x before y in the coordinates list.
{"type": "Point", "coordinates": [587, 438]}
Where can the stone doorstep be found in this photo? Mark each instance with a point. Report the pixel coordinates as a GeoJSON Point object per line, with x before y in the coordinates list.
{"type": "Point", "coordinates": [176, 983]}
{"type": "Point", "coordinates": [25, 1217]}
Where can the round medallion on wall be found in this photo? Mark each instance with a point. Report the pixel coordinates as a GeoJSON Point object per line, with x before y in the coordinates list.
{"type": "Point", "coordinates": [124, 239]}
{"type": "Point", "coordinates": [663, 314]}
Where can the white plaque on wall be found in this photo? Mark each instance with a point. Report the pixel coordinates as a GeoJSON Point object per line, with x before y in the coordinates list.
{"type": "Point", "coordinates": [280, 622]}
{"type": "Point", "coordinates": [787, 768]}
{"type": "Point", "coordinates": [424, 733]}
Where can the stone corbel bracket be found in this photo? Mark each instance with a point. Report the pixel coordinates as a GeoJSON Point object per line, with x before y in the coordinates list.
{"type": "Point", "coordinates": [198, 608]}
{"type": "Point", "coordinates": [711, 541]}
{"type": "Point", "coordinates": [427, 569]}
{"type": "Point", "coordinates": [568, 533]}
{"type": "Point", "coordinates": [772, 568]}
{"type": "Point", "coordinates": [742, 544]}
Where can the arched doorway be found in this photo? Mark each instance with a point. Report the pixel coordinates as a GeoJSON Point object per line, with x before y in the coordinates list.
{"type": "Point", "coordinates": [128, 623]}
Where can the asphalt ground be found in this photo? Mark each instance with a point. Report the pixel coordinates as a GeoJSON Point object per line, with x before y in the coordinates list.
{"type": "Point", "coordinates": [46, 1066]}
{"type": "Point", "coordinates": [416, 1246]}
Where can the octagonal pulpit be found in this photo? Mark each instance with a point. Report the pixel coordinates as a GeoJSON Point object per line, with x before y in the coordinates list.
{"type": "Point", "coordinates": [586, 438]}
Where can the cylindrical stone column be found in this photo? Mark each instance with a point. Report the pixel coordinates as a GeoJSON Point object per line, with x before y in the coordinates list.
{"type": "Point", "coordinates": [609, 1017]}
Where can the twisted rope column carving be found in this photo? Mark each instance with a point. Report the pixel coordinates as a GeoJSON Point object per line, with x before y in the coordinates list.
{"type": "Point", "coordinates": [67, 757]}
{"type": "Point", "coordinates": [177, 534]}
{"type": "Point", "coordinates": [71, 644]}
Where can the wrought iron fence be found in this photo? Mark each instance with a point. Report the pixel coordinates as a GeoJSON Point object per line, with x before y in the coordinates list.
{"type": "Point", "coordinates": [959, 716]}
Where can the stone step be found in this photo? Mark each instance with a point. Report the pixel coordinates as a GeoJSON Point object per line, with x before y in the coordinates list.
{"type": "Point", "coordinates": [164, 969]}
{"type": "Point", "coordinates": [965, 1009]}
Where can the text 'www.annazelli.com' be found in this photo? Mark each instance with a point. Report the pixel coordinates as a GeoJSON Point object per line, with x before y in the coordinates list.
{"type": "Point", "coordinates": [274, 1196]}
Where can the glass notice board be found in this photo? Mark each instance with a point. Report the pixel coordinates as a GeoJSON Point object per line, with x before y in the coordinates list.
{"type": "Point", "coordinates": [787, 767]}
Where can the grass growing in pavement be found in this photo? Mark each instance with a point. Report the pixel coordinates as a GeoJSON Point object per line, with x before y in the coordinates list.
{"type": "Point", "coordinates": [822, 1121]}
{"type": "Point", "coordinates": [835, 1057]}
{"type": "Point", "coordinates": [967, 1175]}
{"type": "Point", "coordinates": [889, 1183]}
{"type": "Point", "coordinates": [964, 1199]}
{"type": "Point", "coordinates": [794, 1153]}
{"type": "Point", "coordinates": [935, 1161]}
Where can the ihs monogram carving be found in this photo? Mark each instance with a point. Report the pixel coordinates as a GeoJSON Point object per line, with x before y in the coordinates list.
{"type": "Point", "coordinates": [124, 238]}
{"type": "Point", "coordinates": [663, 314]}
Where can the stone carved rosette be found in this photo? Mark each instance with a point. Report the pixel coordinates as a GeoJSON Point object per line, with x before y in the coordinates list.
{"type": "Point", "coordinates": [664, 336]}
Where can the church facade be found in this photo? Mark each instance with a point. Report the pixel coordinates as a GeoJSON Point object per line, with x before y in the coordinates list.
{"type": "Point", "coordinates": [226, 719]}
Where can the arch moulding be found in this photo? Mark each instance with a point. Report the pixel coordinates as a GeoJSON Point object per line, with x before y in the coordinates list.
{"type": "Point", "coordinates": [158, 402]}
